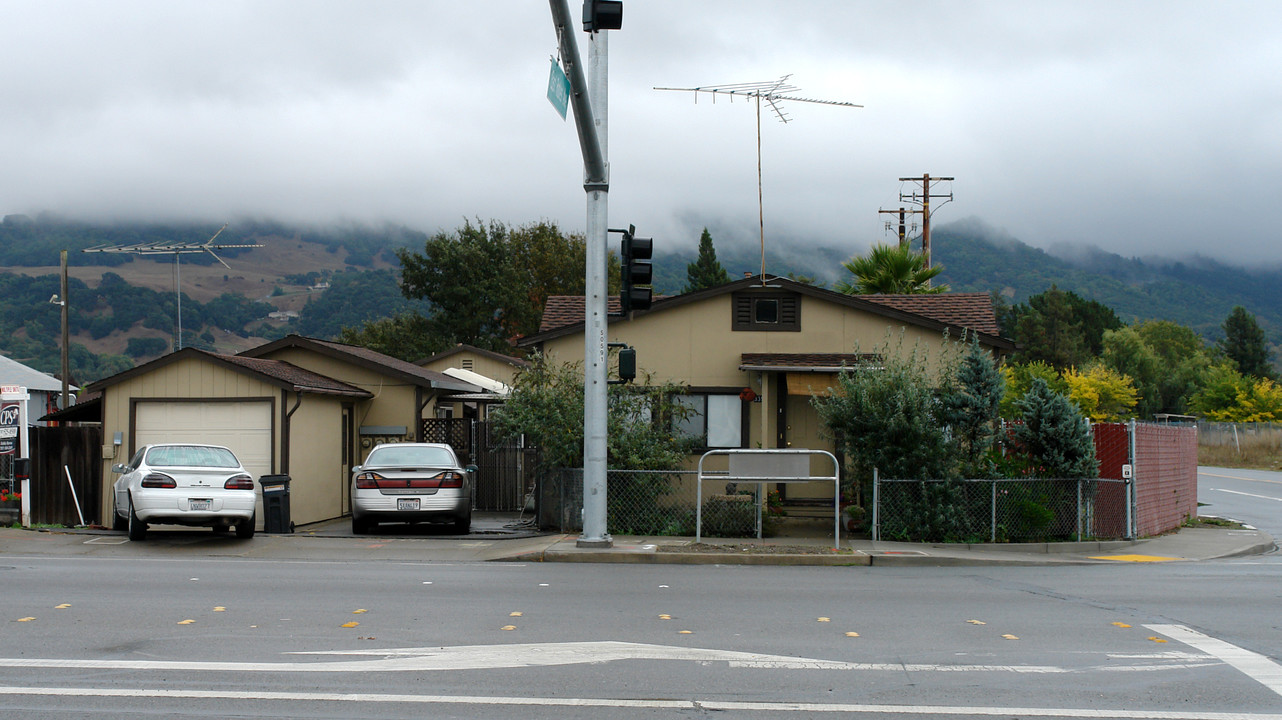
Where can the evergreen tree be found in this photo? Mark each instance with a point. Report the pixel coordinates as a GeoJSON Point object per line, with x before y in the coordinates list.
{"type": "Point", "coordinates": [1244, 344]}
{"type": "Point", "coordinates": [1060, 328]}
{"type": "Point", "coordinates": [1055, 435]}
{"type": "Point", "coordinates": [970, 404]}
{"type": "Point", "coordinates": [705, 272]}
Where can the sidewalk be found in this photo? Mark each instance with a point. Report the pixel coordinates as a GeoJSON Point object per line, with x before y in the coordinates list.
{"type": "Point", "coordinates": [500, 537]}
{"type": "Point", "coordinates": [1188, 544]}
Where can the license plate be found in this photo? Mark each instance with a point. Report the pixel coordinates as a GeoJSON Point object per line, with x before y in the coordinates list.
{"type": "Point", "coordinates": [199, 504]}
{"type": "Point", "coordinates": [406, 503]}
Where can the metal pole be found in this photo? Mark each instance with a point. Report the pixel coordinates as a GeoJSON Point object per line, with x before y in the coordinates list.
{"type": "Point", "coordinates": [876, 487]}
{"type": "Point", "coordinates": [66, 335]}
{"type": "Point", "coordinates": [761, 209]}
{"type": "Point", "coordinates": [595, 379]}
{"type": "Point", "coordinates": [1130, 484]}
{"type": "Point", "coordinates": [992, 524]}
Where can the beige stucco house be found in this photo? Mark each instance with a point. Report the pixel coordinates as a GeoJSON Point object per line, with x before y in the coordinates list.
{"type": "Point", "coordinates": [754, 353]}
{"type": "Point", "coordinates": [302, 407]}
{"type": "Point", "coordinates": [476, 365]}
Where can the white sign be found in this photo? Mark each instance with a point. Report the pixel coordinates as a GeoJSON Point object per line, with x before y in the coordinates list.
{"type": "Point", "coordinates": [13, 392]}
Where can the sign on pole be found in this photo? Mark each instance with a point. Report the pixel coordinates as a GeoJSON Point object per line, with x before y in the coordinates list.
{"type": "Point", "coordinates": [558, 89]}
{"type": "Point", "coordinates": [10, 413]}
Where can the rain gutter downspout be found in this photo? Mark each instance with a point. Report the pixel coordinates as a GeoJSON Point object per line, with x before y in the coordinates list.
{"type": "Point", "coordinates": [285, 439]}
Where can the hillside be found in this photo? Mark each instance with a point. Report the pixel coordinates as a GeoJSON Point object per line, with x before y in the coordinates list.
{"type": "Point", "coordinates": [124, 309]}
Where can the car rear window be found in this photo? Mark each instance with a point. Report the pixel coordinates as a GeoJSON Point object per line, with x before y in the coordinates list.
{"type": "Point", "coordinates": [191, 456]}
{"type": "Point", "coordinates": [411, 457]}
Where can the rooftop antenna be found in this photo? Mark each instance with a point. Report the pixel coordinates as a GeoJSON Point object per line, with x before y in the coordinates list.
{"type": "Point", "coordinates": [177, 250]}
{"type": "Point", "coordinates": [774, 93]}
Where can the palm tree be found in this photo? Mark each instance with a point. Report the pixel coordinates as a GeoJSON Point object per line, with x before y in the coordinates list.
{"type": "Point", "coordinates": [890, 270]}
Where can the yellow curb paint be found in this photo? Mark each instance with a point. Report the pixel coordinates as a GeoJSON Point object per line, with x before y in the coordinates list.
{"type": "Point", "coordinates": [514, 614]}
{"type": "Point", "coordinates": [852, 634]}
{"type": "Point", "coordinates": [63, 606]}
{"type": "Point", "coordinates": [508, 627]}
{"type": "Point", "coordinates": [1134, 558]}
{"type": "Point", "coordinates": [26, 619]}
{"type": "Point", "coordinates": [976, 622]}
{"type": "Point", "coordinates": [1121, 624]}
{"type": "Point", "coordinates": [188, 621]}
{"type": "Point", "coordinates": [350, 624]}
{"type": "Point", "coordinates": [1010, 637]}
{"type": "Point", "coordinates": [358, 612]}
{"type": "Point", "coordinates": [822, 619]}
{"type": "Point", "coordinates": [1157, 639]}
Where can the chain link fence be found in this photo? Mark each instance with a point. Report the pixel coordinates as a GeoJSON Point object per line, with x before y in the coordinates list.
{"type": "Point", "coordinates": [648, 502]}
{"type": "Point", "coordinates": [998, 510]}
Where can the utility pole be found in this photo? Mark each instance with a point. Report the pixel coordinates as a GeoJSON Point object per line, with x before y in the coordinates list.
{"type": "Point", "coordinates": [903, 226]}
{"type": "Point", "coordinates": [590, 110]}
{"type": "Point", "coordinates": [66, 335]}
{"type": "Point", "coordinates": [923, 198]}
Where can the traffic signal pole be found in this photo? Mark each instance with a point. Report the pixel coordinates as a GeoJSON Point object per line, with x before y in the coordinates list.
{"type": "Point", "coordinates": [590, 110]}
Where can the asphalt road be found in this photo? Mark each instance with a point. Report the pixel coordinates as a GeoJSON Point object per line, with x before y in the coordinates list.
{"type": "Point", "coordinates": [1253, 497]}
{"type": "Point", "coordinates": [133, 632]}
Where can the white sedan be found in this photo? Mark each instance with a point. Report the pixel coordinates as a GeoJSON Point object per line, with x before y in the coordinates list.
{"type": "Point", "coordinates": [183, 484]}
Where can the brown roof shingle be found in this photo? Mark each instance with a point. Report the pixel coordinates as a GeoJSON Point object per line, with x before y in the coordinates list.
{"type": "Point", "coordinates": [968, 310]}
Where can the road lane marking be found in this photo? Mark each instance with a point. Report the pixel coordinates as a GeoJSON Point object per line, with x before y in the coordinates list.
{"type": "Point", "coordinates": [1239, 477]}
{"type": "Point", "coordinates": [519, 655]}
{"type": "Point", "coordinates": [1253, 665]}
{"type": "Point", "coordinates": [1134, 558]}
{"type": "Point", "coordinates": [1253, 495]}
{"type": "Point", "coordinates": [688, 705]}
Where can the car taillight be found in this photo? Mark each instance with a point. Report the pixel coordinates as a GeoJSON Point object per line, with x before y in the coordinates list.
{"type": "Point", "coordinates": [239, 482]}
{"type": "Point", "coordinates": [158, 480]}
{"type": "Point", "coordinates": [368, 481]}
{"type": "Point", "coordinates": [450, 479]}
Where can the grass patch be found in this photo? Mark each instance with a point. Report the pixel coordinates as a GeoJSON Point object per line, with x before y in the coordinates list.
{"type": "Point", "coordinates": [1200, 521]}
{"type": "Point", "coordinates": [1262, 451]}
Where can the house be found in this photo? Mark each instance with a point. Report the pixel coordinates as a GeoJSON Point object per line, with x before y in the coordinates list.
{"type": "Point", "coordinates": [753, 353]}
{"type": "Point", "coordinates": [491, 370]}
{"type": "Point", "coordinates": [45, 390]}
{"type": "Point", "coordinates": [302, 407]}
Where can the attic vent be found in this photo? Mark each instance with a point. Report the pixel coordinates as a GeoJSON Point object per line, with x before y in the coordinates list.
{"type": "Point", "coordinates": [467, 363]}
{"type": "Point", "coordinates": [773, 311]}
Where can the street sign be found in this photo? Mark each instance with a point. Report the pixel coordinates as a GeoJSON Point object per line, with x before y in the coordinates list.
{"type": "Point", "coordinates": [558, 89]}
{"type": "Point", "coordinates": [9, 418]}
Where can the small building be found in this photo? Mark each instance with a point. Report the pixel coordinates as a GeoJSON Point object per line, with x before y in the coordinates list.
{"type": "Point", "coordinates": [45, 390]}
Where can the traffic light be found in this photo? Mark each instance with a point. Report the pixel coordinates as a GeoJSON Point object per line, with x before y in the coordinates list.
{"type": "Point", "coordinates": [638, 271]}
{"type": "Point", "coordinates": [602, 15]}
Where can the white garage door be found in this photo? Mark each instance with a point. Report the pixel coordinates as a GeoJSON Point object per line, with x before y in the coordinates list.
{"type": "Point", "coordinates": [245, 427]}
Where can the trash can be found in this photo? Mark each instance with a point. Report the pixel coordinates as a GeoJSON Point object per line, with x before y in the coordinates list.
{"type": "Point", "coordinates": [276, 504]}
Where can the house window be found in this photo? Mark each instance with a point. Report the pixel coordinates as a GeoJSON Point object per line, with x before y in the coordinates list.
{"type": "Point", "coordinates": [769, 311]}
{"type": "Point", "coordinates": [717, 419]}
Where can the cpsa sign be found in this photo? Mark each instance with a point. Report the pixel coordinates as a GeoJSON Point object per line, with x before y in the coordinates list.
{"type": "Point", "coordinates": [9, 417]}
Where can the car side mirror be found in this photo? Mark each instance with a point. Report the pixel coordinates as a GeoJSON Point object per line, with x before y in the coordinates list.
{"type": "Point", "coordinates": [358, 468]}
{"type": "Point", "coordinates": [120, 468]}
{"type": "Point", "coordinates": [471, 469]}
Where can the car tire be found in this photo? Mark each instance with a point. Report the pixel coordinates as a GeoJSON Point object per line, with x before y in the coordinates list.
{"type": "Point", "coordinates": [245, 528]}
{"type": "Point", "coordinates": [360, 526]}
{"type": "Point", "coordinates": [463, 525]}
{"type": "Point", "coordinates": [137, 528]}
{"type": "Point", "coordinates": [118, 523]}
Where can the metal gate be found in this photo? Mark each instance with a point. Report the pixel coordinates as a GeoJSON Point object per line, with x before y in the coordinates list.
{"type": "Point", "coordinates": [504, 468]}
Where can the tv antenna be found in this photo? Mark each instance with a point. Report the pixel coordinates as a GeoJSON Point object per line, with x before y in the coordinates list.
{"type": "Point", "coordinates": [774, 93]}
{"type": "Point", "coordinates": [177, 250]}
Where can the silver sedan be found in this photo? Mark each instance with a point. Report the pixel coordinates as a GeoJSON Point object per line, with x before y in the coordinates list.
{"type": "Point", "coordinates": [412, 482]}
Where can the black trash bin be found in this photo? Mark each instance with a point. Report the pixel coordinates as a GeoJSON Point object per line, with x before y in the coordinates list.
{"type": "Point", "coordinates": [276, 504]}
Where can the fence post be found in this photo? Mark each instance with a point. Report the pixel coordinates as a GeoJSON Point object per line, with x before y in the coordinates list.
{"type": "Point", "coordinates": [876, 505]}
{"type": "Point", "coordinates": [992, 525]}
{"type": "Point", "coordinates": [1079, 509]}
{"type": "Point", "coordinates": [1131, 490]}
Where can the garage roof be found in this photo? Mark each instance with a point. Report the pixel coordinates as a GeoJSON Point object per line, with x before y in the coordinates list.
{"type": "Point", "coordinates": [275, 372]}
{"type": "Point", "coordinates": [365, 357]}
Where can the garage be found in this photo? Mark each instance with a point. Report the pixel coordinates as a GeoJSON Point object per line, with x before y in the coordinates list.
{"type": "Point", "coordinates": [245, 426]}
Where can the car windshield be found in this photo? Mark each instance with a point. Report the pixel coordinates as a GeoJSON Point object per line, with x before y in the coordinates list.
{"type": "Point", "coordinates": [191, 456]}
{"type": "Point", "coordinates": [410, 456]}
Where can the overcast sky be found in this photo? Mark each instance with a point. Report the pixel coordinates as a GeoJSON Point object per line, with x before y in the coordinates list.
{"type": "Point", "coordinates": [1138, 127]}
